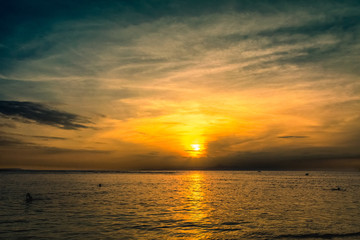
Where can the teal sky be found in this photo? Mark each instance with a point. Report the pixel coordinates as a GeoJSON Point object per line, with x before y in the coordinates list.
{"type": "Point", "coordinates": [180, 84]}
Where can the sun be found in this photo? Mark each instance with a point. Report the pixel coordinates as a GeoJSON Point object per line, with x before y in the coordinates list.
{"type": "Point", "coordinates": [196, 150]}
{"type": "Point", "coordinates": [196, 147]}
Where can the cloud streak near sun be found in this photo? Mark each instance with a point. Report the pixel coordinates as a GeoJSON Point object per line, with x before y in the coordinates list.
{"type": "Point", "coordinates": [251, 84]}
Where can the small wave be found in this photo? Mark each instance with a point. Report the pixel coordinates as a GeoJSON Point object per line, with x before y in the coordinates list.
{"type": "Point", "coordinates": [320, 235]}
{"type": "Point", "coordinates": [189, 225]}
{"type": "Point", "coordinates": [139, 227]}
{"type": "Point", "coordinates": [230, 223]}
{"type": "Point", "coordinates": [168, 221]}
{"type": "Point", "coordinates": [226, 229]}
{"type": "Point", "coordinates": [14, 221]}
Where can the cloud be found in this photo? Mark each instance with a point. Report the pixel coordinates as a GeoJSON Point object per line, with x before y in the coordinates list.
{"type": "Point", "coordinates": [56, 150]}
{"type": "Point", "coordinates": [234, 69]}
{"type": "Point", "coordinates": [49, 138]}
{"type": "Point", "coordinates": [10, 135]}
{"type": "Point", "coordinates": [41, 114]}
{"type": "Point", "coordinates": [292, 136]}
{"type": "Point", "coordinates": [292, 158]}
{"type": "Point", "coordinates": [130, 48]}
{"type": "Point", "coordinates": [30, 90]}
{"type": "Point", "coordinates": [7, 125]}
{"type": "Point", "coordinates": [6, 141]}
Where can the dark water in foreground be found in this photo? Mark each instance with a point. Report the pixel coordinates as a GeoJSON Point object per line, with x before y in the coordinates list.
{"type": "Point", "coordinates": [180, 205]}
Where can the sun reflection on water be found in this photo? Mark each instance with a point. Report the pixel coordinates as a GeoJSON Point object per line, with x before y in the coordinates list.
{"type": "Point", "coordinates": [196, 214]}
{"type": "Point", "coordinates": [196, 197]}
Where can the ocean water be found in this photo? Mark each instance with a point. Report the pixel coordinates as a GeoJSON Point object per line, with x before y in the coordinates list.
{"type": "Point", "coordinates": [180, 205]}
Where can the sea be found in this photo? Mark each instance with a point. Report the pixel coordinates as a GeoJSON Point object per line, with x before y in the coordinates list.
{"type": "Point", "coordinates": [180, 205]}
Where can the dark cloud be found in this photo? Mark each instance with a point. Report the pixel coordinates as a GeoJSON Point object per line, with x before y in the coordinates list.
{"type": "Point", "coordinates": [9, 135]}
{"type": "Point", "coordinates": [292, 136]}
{"type": "Point", "coordinates": [9, 142]}
{"type": "Point", "coordinates": [294, 158]}
{"type": "Point", "coordinates": [6, 141]}
{"type": "Point", "coordinates": [29, 111]}
{"type": "Point", "coordinates": [55, 150]}
{"type": "Point", "coordinates": [49, 138]}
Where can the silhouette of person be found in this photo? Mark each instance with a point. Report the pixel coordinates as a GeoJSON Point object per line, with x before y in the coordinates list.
{"type": "Point", "coordinates": [28, 197]}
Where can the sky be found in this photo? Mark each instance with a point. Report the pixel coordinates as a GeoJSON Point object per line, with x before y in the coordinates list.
{"type": "Point", "coordinates": [179, 84]}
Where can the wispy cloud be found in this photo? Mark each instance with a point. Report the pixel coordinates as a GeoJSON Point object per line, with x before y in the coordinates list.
{"type": "Point", "coordinates": [241, 78]}
{"type": "Point", "coordinates": [292, 136]}
{"type": "Point", "coordinates": [6, 141]}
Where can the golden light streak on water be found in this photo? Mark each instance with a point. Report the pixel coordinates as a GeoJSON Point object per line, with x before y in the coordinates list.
{"type": "Point", "coordinates": [195, 202]}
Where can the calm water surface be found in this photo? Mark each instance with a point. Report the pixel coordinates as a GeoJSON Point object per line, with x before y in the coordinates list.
{"type": "Point", "coordinates": [180, 205]}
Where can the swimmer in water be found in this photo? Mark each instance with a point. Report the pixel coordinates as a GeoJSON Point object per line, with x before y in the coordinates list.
{"type": "Point", "coordinates": [28, 197]}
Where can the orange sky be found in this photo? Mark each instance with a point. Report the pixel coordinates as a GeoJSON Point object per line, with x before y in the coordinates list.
{"type": "Point", "coordinates": [159, 86]}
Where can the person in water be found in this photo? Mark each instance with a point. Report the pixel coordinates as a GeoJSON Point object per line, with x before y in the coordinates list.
{"type": "Point", "coordinates": [28, 197]}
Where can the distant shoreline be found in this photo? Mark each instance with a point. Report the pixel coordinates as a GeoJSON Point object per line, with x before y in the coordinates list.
{"type": "Point", "coordinates": [165, 171]}
{"type": "Point", "coordinates": [19, 170]}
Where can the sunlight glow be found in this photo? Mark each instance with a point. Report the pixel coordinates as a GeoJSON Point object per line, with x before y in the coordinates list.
{"type": "Point", "coordinates": [196, 150]}
{"type": "Point", "coordinates": [196, 147]}
{"type": "Point", "coordinates": [187, 129]}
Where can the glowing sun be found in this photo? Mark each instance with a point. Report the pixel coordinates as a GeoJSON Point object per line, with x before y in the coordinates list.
{"type": "Point", "coordinates": [196, 147]}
